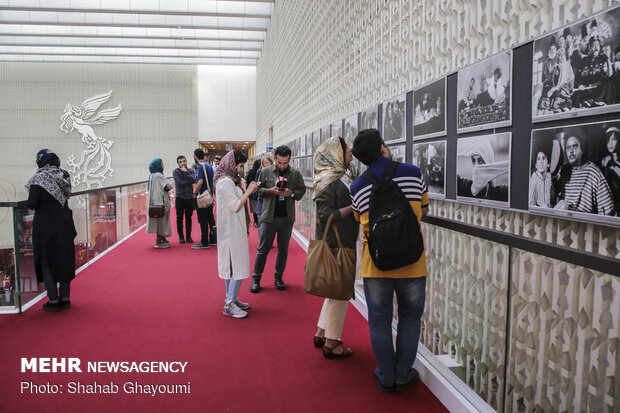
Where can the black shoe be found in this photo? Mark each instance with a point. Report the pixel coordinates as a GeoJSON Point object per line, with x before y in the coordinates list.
{"type": "Point", "coordinates": [405, 386]}
{"type": "Point", "coordinates": [255, 287]}
{"type": "Point", "coordinates": [181, 240]}
{"type": "Point", "coordinates": [51, 307]}
{"type": "Point", "coordinates": [189, 239]}
{"type": "Point", "coordinates": [211, 242]}
{"type": "Point", "coordinates": [383, 387]}
{"type": "Point", "coordinates": [65, 304]}
{"type": "Point", "coordinates": [255, 224]}
{"type": "Point", "coordinates": [280, 284]}
{"type": "Point", "coordinates": [200, 246]}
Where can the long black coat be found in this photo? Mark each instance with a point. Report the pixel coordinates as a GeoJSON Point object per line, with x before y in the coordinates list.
{"type": "Point", "coordinates": [53, 232]}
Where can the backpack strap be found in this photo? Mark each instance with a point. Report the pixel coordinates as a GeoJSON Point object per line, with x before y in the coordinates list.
{"type": "Point", "coordinates": [388, 174]}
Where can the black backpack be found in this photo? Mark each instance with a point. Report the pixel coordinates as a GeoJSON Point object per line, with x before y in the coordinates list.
{"type": "Point", "coordinates": [394, 238]}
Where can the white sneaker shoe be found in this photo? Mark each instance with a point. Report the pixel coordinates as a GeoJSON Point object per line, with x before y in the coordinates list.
{"type": "Point", "coordinates": [242, 305]}
{"type": "Point", "coordinates": [233, 311]}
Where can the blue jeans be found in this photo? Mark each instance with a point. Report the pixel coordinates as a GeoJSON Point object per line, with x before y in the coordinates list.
{"type": "Point", "coordinates": [410, 294]}
{"type": "Point", "coordinates": [232, 290]}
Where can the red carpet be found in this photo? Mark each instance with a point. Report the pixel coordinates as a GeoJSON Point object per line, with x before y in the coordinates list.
{"type": "Point", "coordinates": [142, 304]}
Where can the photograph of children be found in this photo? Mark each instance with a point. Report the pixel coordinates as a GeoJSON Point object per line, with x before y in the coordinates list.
{"type": "Point", "coordinates": [326, 133]}
{"type": "Point", "coordinates": [309, 144]}
{"type": "Point", "coordinates": [483, 94]}
{"type": "Point", "coordinates": [394, 117]}
{"type": "Point", "coordinates": [483, 169]}
{"type": "Point", "coordinates": [397, 153]}
{"type": "Point", "coordinates": [370, 118]}
{"type": "Point", "coordinates": [577, 169]}
{"type": "Point", "coordinates": [316, 140]}
{"type": "Point", "coordinates": [337, 128]}
{"type": "Point", "coordinates": [430, 157]}
{"type": "Point", "coordinates": [429, 110]}
{"type": "Point", "coordinates": [350, 129]}
{"type": "Point", "coordinates": [576, 70]}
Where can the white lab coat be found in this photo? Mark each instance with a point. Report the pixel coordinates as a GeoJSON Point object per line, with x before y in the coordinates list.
{"type": "Point", "coordinates": [232, 238]}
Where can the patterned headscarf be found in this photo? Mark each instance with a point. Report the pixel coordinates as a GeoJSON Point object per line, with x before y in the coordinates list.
{"type": "Point", "coordinates": [329, 165]}
{"type": "Point", "coordinates": [50, 177]}
{"type": "Point", "coordinates": [228, 168]}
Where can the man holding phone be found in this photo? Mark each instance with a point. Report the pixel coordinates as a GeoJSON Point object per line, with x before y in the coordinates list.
{"type": "Point", "coordinates": [280, 186]}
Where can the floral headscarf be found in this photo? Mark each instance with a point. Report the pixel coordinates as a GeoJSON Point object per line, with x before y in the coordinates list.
{"type": "Point", "coordinates": [329, 165]}
{"type": "Point", "coordinates": [50, 177]}
{"type": "Point", "coordinates": [228, 168]}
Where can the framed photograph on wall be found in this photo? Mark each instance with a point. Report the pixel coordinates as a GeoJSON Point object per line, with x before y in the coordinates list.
{"type": "Point", "coordinates": [309, 144]}
{"type": "Point", "coordinates": [398, 153]}
{"type": "Point", "coordinates": [483, 169]}
{"type": "Point", "coordinates": [326, 133]}
{"type": "Point", "coordinates": [576, 70]}
{"type": "Point", "coordinates": [316, 140]}
{"type": "Point", "coordinates": [575, 172]}
{"type": "Point", "coordinates": [429, 110]}
{"type": "Point", "coordinates": [337, 128]}
{"type": "Point", "coordinates": [484, 94]}
{"type": "Point", "coordinates": [370, 118]}
{"type": "Point", "coordinates": [430, 157]}
{"type": "Point", "coordinates": [302, 145]}
{"type": "Point", "coordinates": [394, 119]}
{"type": "Point", "coordinates": [350, 129]}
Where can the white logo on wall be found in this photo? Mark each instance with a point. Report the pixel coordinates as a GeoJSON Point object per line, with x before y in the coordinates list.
{"type": "Point", "coordinates": [94, 165]}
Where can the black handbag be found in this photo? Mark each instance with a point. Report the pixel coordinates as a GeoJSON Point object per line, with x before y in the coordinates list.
{"type": "Point", "coordinates": [155, 211]}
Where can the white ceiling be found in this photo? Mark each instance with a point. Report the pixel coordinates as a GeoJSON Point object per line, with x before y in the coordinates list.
{"type": "Point", "coordinates": [201, 32]}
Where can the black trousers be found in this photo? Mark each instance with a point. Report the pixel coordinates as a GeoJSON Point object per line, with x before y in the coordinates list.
{"type": "Point", "coordinates": [206, 220]}
{"type": "Point", "coordinates": [184, 207]}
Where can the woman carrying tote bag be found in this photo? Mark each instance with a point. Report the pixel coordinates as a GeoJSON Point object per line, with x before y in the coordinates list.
{"type": "Point", "coordinates": [333, 176]}
{"type": "Point", "coordinates": [158, 195]}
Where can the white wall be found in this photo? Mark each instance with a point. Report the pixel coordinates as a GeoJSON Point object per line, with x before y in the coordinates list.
{"type": "Point", "coordinates": [226, 103]}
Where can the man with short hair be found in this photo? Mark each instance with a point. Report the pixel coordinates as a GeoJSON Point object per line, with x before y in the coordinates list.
{"type": "Point", "coordinates": [394, 369]}
{"type": "Point", "coordinates": [184, 201]}
{"type": "Point", "coordinates": [583, 187]}
{"type": "Point", "coordinates": [216, 163]}
{"type": "Point", "coordinates": [204, 177]}
{"type": "Point", "coordinates": [280, 186]}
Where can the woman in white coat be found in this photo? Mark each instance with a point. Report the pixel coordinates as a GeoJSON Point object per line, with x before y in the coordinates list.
{"type": "Point", "coordinates": [233, 255]}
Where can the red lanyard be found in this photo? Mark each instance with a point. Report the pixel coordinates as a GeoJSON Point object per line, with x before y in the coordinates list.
{"type": "Point", "coordinates": [282, 181]}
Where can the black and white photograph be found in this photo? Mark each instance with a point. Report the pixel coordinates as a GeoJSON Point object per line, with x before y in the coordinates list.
{"type": "Point", "coordinates": [483, 169]}
{"type": "Point", "coordinates": [576, 169]}
{"type": "Point", "coordinates": [576, 70]}
{"type": "Point", "coordinates": [302, 145]}
{"type": "Point", "coordinates": [394, 119]}
{"type": "Point", "coordinates": [398, 153]}
{"type": "Point", "coordinates": [316, 140]}
{"type": "Point", "coordinates": [429, 110]}
{"type": "Point", "coordinates": [326, 133]}
{"type": "Point", "coordinates": [430, 157]}
{"type": "Point", "coordinates": [370, 118]}
{"type": "Point", "coordinates": [337, 128]}
{"type": "Point", "coordinates": [308, 140]}
{"type": "Point", "coordinates": [350, 129]}
{"type": "Point", "coordinates": [484, 94]}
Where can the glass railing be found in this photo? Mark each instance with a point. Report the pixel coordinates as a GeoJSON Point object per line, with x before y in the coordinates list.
{"type": "Point", "coordinates": [514, 324]}
{"type": "Point", "coordinates": [102, 217]}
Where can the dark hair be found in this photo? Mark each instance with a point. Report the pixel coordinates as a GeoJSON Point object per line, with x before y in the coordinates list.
{"type": "Point", "coordinates": [180, 157]}
{"type": "Point", "coordinates": [367, 146]}
{"type": "Point", "coordinates": [283, 151]}
{"type": "Point", "coordinates": [239, 157]}
{"type": "Point", "coordinates": [343, 143]}
{"type": "Point", "coordinates": [611, 132]}
{"type": "Point", "coordinates": [199, 153]}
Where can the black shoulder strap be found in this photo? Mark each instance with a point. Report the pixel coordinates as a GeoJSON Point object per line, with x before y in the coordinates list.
{"type": "Point", "coordinates": [390, 170]}
{"type": "Point", "coordinates": [370, 176]}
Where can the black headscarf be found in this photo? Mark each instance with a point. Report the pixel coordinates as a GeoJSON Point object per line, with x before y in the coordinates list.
{"type": "Point", "coordinates": [50, 177]}
{"type": "Point", "coordinates": [47, 157]}
{"type": "Point", "coordinates": [252, 172]}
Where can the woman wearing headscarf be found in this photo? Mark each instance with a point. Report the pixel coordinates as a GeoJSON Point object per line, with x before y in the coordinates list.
{"type": "Point", "coordinates": [233, 255]}
{"type": "Point", "coordinates": [53, 230]}
{"type": "Point", "coordinates": [159, 195]}
{"type": "Point", "coordinates": [252, 176]}
{"type": "Point", "coordinates": [333, 177]}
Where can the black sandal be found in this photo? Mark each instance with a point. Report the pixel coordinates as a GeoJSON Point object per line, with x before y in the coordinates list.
{"type": "Point", "coordinates": [319, 341]}
{"type": "Point", "coordinates": [328, 352]}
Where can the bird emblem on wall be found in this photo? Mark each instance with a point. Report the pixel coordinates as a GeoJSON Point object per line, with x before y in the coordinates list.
{"type": "Point", "coordinates": [94, 165]}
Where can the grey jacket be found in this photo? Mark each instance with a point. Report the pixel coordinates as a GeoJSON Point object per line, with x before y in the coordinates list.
{"type": "Point", "coordinates": [335, 196]}
{"type": "Point", "coordinates": [268, 179]}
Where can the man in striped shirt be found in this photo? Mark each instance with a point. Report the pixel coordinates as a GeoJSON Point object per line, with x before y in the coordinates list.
{"type": "Point", "coordinates": [394, 370]}
{"type": "Point", "coordinates": [583, 185]}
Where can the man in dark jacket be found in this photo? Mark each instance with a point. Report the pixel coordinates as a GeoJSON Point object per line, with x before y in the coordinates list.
{"type": "Point", "coordinates": [280, 186]}
{"type": "Point", "coordinates": [184, 204]}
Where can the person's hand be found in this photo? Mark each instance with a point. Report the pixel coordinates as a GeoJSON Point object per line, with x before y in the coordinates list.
{"type": "Point", "coordinates": [286, 193]}
{"type": "Point", "coordinates": [253, 187]}
{"type": "Point", "coordinates": [274, 190]}
{"type": "Point", "coordinates": [184, 169]}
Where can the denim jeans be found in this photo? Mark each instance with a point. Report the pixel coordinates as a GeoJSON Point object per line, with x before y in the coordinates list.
{"type": "Point", "coordinates": [410, 294]}
{"type": "Point", "coordinates": [232, 290]}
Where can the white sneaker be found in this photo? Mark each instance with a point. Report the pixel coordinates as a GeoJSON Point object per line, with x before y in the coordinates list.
{"type": "Point", "coordinates": [233, 311]}
{"type": "Point", "coordinates": [242, 305]}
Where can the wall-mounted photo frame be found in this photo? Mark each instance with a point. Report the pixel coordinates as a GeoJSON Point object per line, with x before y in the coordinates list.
{"type": "Point", "coordinates": [429, 110]}
{"type": "Point", "coordinates": [326, 133]}
{"type": "Point", "coordinates": [398, 153]}
{"type": "Point", "coordinates": [337, 128]}
{"type": "Point", "coordinates": [484, 94]}
{"type": "Point", "coordinates": [576, 70]}
{"type": "Point", "coordinates": [370, 118]}
{"type": "Point", "coordinates": [430, 157]}
{"type": "Point", "coordinates": [316, 140]}
{"type": "Point", "coordinates": [309, 144]}
{"type": "Point", "coordinates": [483, 169]}
{"type": "Point", "coordinates": [350, 129]}
{"type": "Point", "coordinates": [394, 119]}
{"type": "Point", "coordinates": [302, 145]}
{"type": "Point", "coordinates": [575, 172]}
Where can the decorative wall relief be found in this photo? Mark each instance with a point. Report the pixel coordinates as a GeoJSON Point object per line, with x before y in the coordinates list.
{"type": "Point", "coordinates": [94, 166]}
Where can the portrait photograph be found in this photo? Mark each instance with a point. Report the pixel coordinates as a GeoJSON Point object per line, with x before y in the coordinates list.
{"type": "Point", "coordinates": [430, 157]}
{"type": "Point", "coordinates": [576, 70]}
{"type": "Point", "coordinates": [337, 129]}
{"type": "Point", "coordinates": [398, 153]}
{"type": "Point", "coordinates": [429, 110]}
{"type": "Point", "coordinates": [326, 133]}
{"type": "Point", "coordinates": [483, 169]}
{"type": "Point", "coordinates": [394, 119]}
{"type": "Point", "coordinates": [370, 118]}
{"type": "Point", "coordinates": [350, 129]}
{"type": "Point", "coordinates": [484, 94]}
{"type": "Point", "coordinates": [575, 171]}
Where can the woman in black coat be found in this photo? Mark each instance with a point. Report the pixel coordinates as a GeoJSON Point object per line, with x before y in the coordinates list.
{"type": "Point", "coordinates": [53, 230]}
